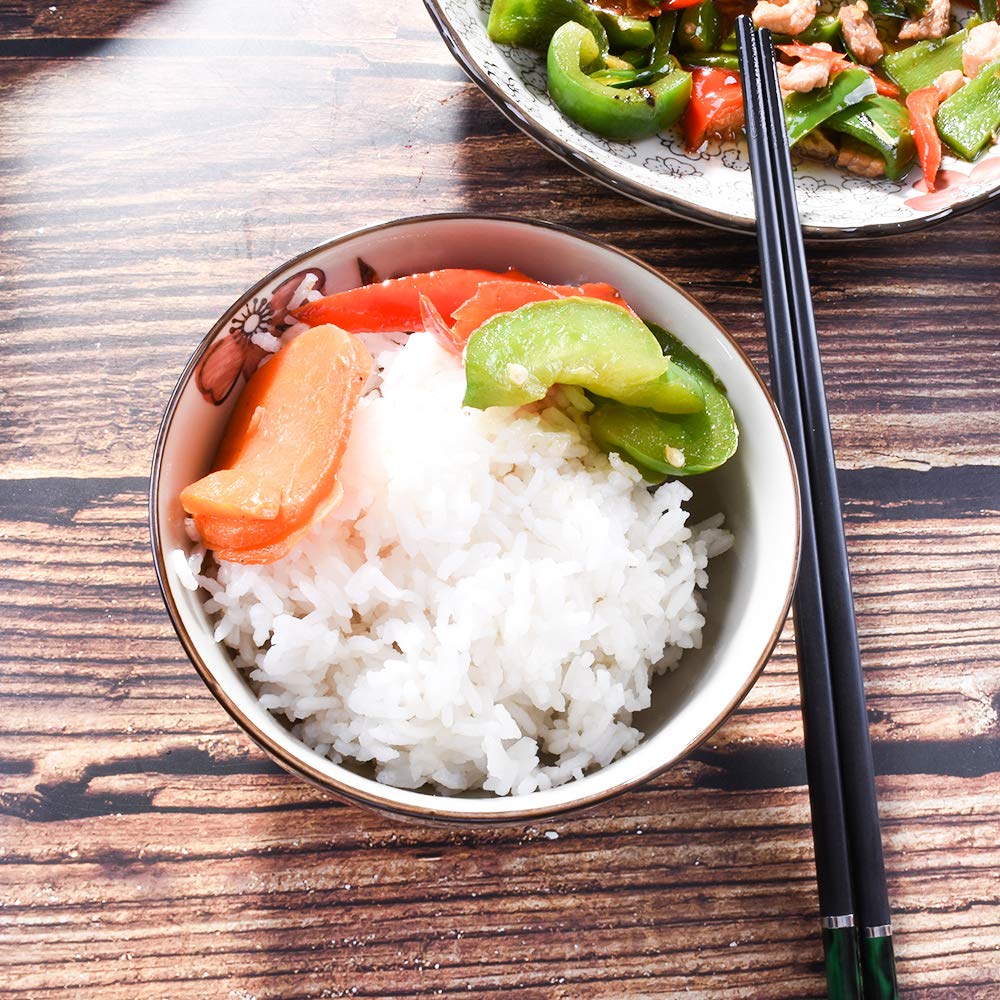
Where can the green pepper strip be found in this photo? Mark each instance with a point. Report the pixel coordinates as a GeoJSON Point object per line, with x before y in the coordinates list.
{"type": "Point", "coordinates": [615, 77]}
{"type": "Point", "coordinates": [804, 112]}
{"type": "Point", "coordinates": [625, 32]}
{"type": "Point", "coordinates": [618, 114]}
{"type": "Point", "coordinates": [923, 62]}
{"type": "Point", "coordinates": [661, 61]}
{"type": "Point", "coordinates": [888, 8]}
{"type": "Point", "coordinates": [705, 440]}
{"type": "Point", "coordinates": [715, 60]}
{"type": "Point", "coordinates": [666, 26]}
{"type": "Point", "coordinates": [970, 118]}
{"type": "Point", "coordinates": [988, 10]}
{"type": "Point", "coordinates": [883, 124]}
{"type": "Point", "coordinates": [699, 28]}
{"type": "Point", "coordinates": [660, 445]}
{"type": "Point", "coordinates": [530, 24]}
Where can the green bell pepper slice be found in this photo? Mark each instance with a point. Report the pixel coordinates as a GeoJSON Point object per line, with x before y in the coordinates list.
{"type": "Point", "coordinates": [699, 28]}
{"type": "Point", "coordinates": [660, 60]}
{"type": "Point", "coordinates": [625, 32]}
{"type": "Point", "coordinates": [660, 446]}
{"type": "Point", "coordinates": [969, 119]}
{"type": "Point", "coordinates": [633, 113]}
{"type": "Point", "coordinates": [883, 124]}
{"type": "Point", "coordinates": [515, 357]}
{"type": "Point", "coordinates": [922, 63]}
{"type": "Point", "coordinates": [530, 24]}
{"type": "Point", "coordinates": [804, 112]}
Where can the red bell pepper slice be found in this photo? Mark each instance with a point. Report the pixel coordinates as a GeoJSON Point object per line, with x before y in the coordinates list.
{"type": "Point", "coordinates": [715, 108]}
{"type": "Point", "coordinates": [495, 297]}
{"type": "Point", "coordinates": [884, 87]}
{"type": "Point", "coordinates": [593, 290]}
{"type": "Point", "coordinates": [923, 105]}
{"type": "Point", "coordinates": [492, 298]}
{"type": "Point", "coordinates": [394, 305]}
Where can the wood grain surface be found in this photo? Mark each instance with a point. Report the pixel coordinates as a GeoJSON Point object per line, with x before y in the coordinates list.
{"type": "Point", "coordinates": [158, 157]}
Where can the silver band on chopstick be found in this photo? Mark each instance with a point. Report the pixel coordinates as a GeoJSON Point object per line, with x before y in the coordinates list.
{"type": "Point", "coordinates": [833, 923]}
{"type": "Point", "coordinates": [883, 930]}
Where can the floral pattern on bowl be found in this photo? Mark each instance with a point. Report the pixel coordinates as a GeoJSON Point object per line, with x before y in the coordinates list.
{"type": "Point", "coordinates": [712, 185]}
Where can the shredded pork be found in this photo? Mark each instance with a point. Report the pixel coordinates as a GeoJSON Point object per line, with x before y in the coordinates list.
{"type": "Point", "coordinates": [948, 82]}
{"type": "Point", "coordinates": [858, 27]}
{"type": "Point", "coordinates": [933, 24]}
{"type": "Point", "coordinates": [857, 159]}
{"type": "Point", "coordinates": [788, 18]}
{"type": "Point", "coordinates": [816, 146]}
{"type": "Point", "coordinates": [981, 48]}
{"type": "Point", "coordinates": [804, 76]}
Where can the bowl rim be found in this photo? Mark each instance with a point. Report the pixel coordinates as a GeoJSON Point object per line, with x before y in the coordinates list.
{"type": "Point", "coordinates": [386, 803]}
{"type": "Point", "coordinates": [636, 190]}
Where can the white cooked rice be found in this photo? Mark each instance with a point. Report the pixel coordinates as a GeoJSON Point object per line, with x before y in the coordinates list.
{"type": "Point", "coordinates": [485, 607]}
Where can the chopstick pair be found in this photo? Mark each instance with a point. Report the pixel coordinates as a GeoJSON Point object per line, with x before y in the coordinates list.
{"type": "Point", "coordinates": [850, 870]}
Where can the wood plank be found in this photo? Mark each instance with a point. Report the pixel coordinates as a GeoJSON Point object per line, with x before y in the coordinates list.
{"type": "Point", "coordinates": [171, 239]}
{"type": "Point", "coordinates": [158, 158]}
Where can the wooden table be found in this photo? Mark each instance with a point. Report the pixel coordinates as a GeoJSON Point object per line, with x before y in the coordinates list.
{"type": "Point", "coordinates": [156, 158]}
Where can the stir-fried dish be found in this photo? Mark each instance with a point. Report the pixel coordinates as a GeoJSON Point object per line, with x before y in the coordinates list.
{"type": "Point", "coordinates": [872, 87]}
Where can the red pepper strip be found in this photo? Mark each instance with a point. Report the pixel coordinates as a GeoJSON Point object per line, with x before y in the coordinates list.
{"type": "Point", "coordinates": [837, 62]}
{"type": "Point", "coordinates": [715, 108]}
{"type": "Point", "coordinates": [593, 290]}
{"type": "Point", "coordinates": [493, 297]}
{"type": "Point", "coordinates": [643, 9]}
{"type": "Point", "coordinates": [815, 53]}
{"type": "Point", "coordinates": [884, 87]}
{"type": "Point", "coordinates": [923, 105]}
{"type": "Point", "coordinates": [434, 324]}
{"type": "Point", "coordinates": [394, 305]}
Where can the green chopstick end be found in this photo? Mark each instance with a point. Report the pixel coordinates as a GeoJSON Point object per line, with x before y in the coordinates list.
{"type": "Point", "coordinates": [878, 968]}
{"type": "Point", "coordinates": [840, 956]}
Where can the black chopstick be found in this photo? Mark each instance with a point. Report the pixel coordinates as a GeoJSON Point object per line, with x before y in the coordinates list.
{"type": "Point", "coordinates": [854, 741]}
{"type": "Point", "coordinates": [838, 748]}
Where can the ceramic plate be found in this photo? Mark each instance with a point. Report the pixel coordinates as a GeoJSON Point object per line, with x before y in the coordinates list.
{"type": "Point", "coordinates": [713, 185]}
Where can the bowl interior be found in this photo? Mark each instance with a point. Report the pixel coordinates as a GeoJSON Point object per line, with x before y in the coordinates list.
{"type": "Point", "coordinates": [750, 585]}
{"type": "Point", "coordinates": [713, 184]}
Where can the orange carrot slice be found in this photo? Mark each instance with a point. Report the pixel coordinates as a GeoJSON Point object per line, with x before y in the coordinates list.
{"type": "Point", "coordinates": [287, 434]}
{"type": "Point", "coordinates": [244, 493]}
{"type": "Point", "coordinates": [394, 305]}
{"type": "Point", "coordinates": [276, 550]}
